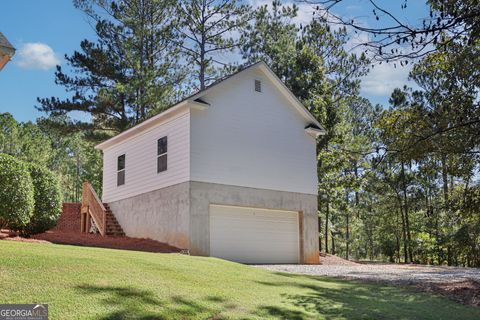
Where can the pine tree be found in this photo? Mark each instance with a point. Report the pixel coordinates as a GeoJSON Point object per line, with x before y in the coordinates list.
{"type": "Point", "coordinates": [128, 74]}
{"type": "Point", "coordinates": [209, 29]}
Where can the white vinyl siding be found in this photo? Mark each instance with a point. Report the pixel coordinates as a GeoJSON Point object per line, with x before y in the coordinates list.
{"type": "Point", "coordinates": [252, 139]}
{"type": "Point", "coordinates": [141, 154]}
{"type": "Point", "coordinates": [251, 235]}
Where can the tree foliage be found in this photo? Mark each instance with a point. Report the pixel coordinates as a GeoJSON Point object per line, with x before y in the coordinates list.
{"type": "Point", "coordinates": [396, 38]}
{"type": "Point", "coordinates": [16, 192]}
{"type": "Point", "coordinates": [72, 157]}
{"type": "Point", "coordinates": [207, 29]}
{"type": "Point", "coordinates": [48, 200]}
{"type": "Point", "coordinates": [397, 182]}
{"type": "Point", "coordinates": [124, 77]}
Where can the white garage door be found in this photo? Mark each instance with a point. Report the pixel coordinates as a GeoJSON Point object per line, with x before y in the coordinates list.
{"type": "Point", "coordinates": [251, 235]}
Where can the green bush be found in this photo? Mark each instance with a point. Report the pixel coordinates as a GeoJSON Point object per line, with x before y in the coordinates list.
{"type": "Point", "coordinates": [16, 193]}
{"type": "Point", "coordinates": [48, 200]}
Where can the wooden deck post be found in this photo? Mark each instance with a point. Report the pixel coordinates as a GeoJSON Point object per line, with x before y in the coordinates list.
{"type": "Point", "coordinates": [94, 209]}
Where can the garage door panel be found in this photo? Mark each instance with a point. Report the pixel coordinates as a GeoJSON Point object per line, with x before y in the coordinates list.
{"type": "Point", "coordinates": [253, 235]}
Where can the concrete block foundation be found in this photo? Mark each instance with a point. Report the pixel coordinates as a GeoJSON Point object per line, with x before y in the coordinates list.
{"type": "Point", "coordinates": [179, 214]}
{"type": "Point", "coordinates": [161, 215]}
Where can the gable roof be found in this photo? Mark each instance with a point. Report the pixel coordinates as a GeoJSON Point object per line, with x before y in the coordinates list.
{"type": "Point", "coordinates": [194, 101]}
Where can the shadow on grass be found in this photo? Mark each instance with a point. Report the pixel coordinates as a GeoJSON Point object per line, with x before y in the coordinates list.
{"type": "Point", "coordinates": [345, 299]}
{"type": "Point", "coordinates": [301, 297]}
{"type": "Point", "coordinates": [131, 303]}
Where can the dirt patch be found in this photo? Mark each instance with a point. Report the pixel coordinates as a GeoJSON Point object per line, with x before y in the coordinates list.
{"type": "Point", "coordinates": [331, 260]}
{"type": "Point", "coordinates": [466, 292]}
{"type": "Point", "coordinates": [93, 240]}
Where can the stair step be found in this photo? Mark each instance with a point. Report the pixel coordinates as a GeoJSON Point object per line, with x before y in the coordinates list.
{"type": "Point", "coordinates": [112, 228]}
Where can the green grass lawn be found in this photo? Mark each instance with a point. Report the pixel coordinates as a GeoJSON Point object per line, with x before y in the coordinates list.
{"type": "Point", "coordinates": [94, 283]}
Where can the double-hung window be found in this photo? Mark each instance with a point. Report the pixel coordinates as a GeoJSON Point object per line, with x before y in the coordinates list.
{"type": "Point", "coordinates": [162, 148]}
{"type": "Point", "coordinates": [121, 170]}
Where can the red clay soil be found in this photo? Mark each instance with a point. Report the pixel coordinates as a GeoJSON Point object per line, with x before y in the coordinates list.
{"type": "Point", "coordinates": [331, 260]}
{"type": "Point", "coordinates": [9, 235]}
{"type": "Point", "coordinates": [93, 240]}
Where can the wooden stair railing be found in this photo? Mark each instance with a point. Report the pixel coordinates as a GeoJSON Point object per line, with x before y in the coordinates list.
{"type": "Point", "coordinates": [93, 207]}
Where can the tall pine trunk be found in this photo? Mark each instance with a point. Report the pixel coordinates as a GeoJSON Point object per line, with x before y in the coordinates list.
{"type": "Point", "coordinates": [407, 221]}
{"type": "Point", "coordinates": [333, 243]}
{"type": "Point", "coordinates": [327, 213]}
{"type": "Point", "coordinates": [404, 229]}
{"type": "Point", "coordinates": [347, 217]}
{"type": "Point", "coordinates": [397, 236]}
{"type": "Point", "coordinates": [348, 235]}
{"type": "Point", "coordinates": [445, 199]}
{"type": "Point", "coordinates": [319, 238]}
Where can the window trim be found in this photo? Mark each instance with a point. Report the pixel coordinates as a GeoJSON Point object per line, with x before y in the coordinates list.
{"type": "Point", "coordinates": [163, 154]}
{"type": "Point", "coordinates": [121, 170]}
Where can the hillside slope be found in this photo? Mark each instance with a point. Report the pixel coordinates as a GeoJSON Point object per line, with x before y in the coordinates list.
{"type": "Point", "coordinates": [93, 283]}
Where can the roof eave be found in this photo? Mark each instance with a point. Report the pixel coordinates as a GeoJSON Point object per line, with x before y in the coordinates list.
{"type": "Point", "coordinates": [152, 122]}
{"type": "Point", "coordinates": [293, 99]}
{"type": "Point", "coordinates": [194, 103]}
{"type": "Point", "coordinates": [315, 132]}
{"type": "Point", "coordinates": [9, 51]}
{"type": "Point", "coordinates": [307, 115]}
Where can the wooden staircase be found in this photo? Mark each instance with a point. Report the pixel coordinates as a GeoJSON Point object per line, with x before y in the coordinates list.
{"type": "Point", "coordinates": [113, 228]}
{"type": "Point", "coordinates": [93, 210]}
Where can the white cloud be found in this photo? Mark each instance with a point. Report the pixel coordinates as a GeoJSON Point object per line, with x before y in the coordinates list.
{"type": "Point", "coordinates": [37, 56]}
{"type": "Point", "coordinates": [383, 78]}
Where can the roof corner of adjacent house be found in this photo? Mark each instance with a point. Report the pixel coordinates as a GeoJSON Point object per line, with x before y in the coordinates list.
{"type": "Point", "coordinates": [5, 46]}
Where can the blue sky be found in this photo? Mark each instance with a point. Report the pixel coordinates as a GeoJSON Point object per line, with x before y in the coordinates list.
{"type": "Point", "coordinates": [44, 31]}
{"type": "Point", "coordinates": [33, 27]}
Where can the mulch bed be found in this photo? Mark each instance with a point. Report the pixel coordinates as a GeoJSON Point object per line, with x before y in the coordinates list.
{"type": "Point", "coordinates": [93, 240]}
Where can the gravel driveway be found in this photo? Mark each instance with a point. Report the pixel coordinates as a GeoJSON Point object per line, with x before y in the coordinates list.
{"type": "Point", "coordinates": [402, 274]}
{"type": "Point", "coordinates": [459, 284]}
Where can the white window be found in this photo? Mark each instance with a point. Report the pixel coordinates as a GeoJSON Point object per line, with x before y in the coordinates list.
{"type": "Point", "coordinates": [121, 170]}
{"type": "Point", "coordinates": [162, 148]}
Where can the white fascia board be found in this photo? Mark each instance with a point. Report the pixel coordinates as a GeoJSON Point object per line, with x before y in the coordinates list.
{"type": "Point", "coordinates": [146, 125]}
{"type": "Point", "coordinates": [198, 105]}
{"type": "Point", "coordinates": [262, 66]}
{"type": "Point", "coordinates": [289, 95]}
{"type": "Point", "coordinates": [314, 132]}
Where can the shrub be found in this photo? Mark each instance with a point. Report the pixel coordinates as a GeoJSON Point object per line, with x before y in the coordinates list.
{"type": "Point", "coordinates": [16, 193]}
{"type": "Point", "coordinates": [48, 200]}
